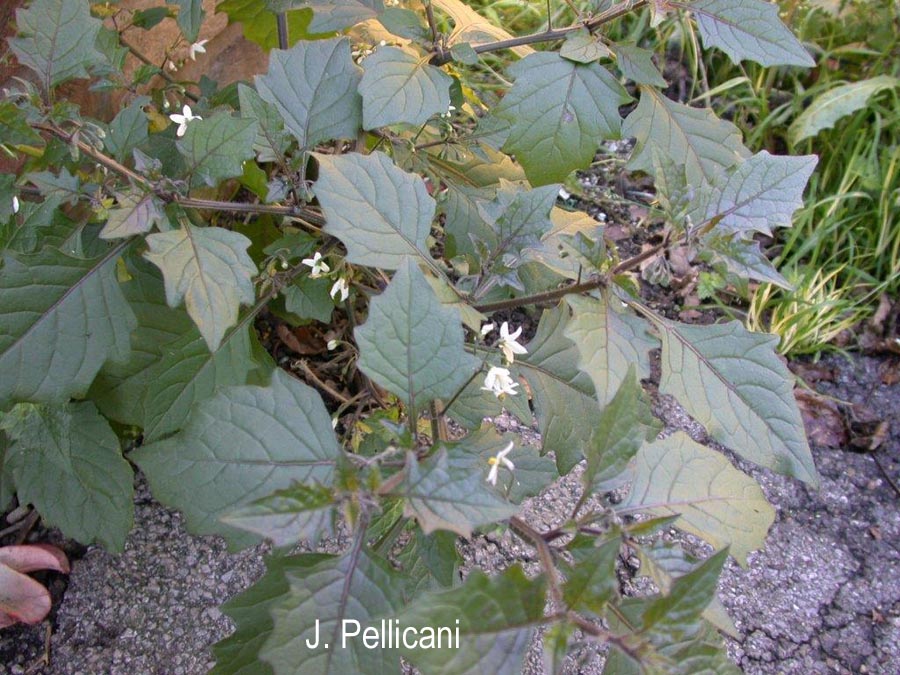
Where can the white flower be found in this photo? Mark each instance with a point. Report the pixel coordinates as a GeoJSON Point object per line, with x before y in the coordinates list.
{"type": "Point", "coordinates": [334, 421]}
{"type": "Point", "coordinates": [183, 119]}
{"type": "Point", "coordinates": [508, 344]}
{"type": "Point", "coordinates": [486, 328]}
{"type": "Point", "coordinates": [319, 267]}
{"type": "Point", "coordinates": [498, 381]}
{"type": "Point", "coordinates": [341, 286]}
{"type": "Point", "coordinates": [332, 345]}
{"type": "Point", "coordinates": [15, 204]}
{"type": "Point", "coordinates": [198, 48]}
{"type": "Point", "coordinates": [564, 194]}
{"type": "Point", "coordinates": [496, 461]}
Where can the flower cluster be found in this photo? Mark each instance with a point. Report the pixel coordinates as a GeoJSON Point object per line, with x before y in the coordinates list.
{"type": "Point", "coordinates": [182, 120]}
{"type": "Point", "coordinates": [319, 268]}
{"type": "Point", "coordinates": [496, 461]}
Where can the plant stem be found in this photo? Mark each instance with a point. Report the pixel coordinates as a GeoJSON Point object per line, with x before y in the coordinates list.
{"type": "Point", "coordinates": [611, 14]}
{"type": "Point", "coordinates": [302, 213]}
{"type": "Point", "coordinates": [537, 539]}
{"type": "Point", "coordinates": [557, 293]}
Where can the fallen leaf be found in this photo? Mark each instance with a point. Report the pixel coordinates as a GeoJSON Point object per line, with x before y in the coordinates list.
{"type": "Point", "coordinates": [303, 340]}
{"type": "Point", "coordinates": [890, 372]}
{"type": "Point", "coordinates": [812, 372]}
{"type": "Point", "coordinates": [825, 425]}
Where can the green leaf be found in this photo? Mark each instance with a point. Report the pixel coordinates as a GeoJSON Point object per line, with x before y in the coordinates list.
{"type": "Point", "coordinates": [190, 17]}
{"type": "Point", "coordinates": [242, 444]}
{"type": "Point", "coordinates": [532, 474]}
{"type": "Point", "coordinates": [300, 513]}
{"type": "Point", "coordinates": [637, 65]}
{"type": "Point", "coordinates": [137, 213]}
{"type": "Point", "coordinates": [128, 130]}
{"type": "Point", "coordinates": [760, 194]}
{"type": "Point", "coordinates": [559, 112]}
{"type": "Point", "coordinates": [677, 613]}
{"type": "Point", "coordinates": [692, 137]}
{"type": "Point", "coordinates": [443, 497]}
{"type": "Point", "coordinates": [189, 373]}
{"type": "Point", "coordinates": [518, 218]}
{"type": "Point", "coordinates": [58, 40]}
{"type": "Point", "coordinates": [431, 561]}
{"type": "Point", "coordinates": [583, 47]}
{"type": "Point", "coordinates": [732, 381]}
{"type": "Point", "coordinates": [411, 344]}
{"type": "Point", "coordinates": [664, 562]}
{"type": "Point", "coordinates": [210, 270]}
{"type": "Point", "coordinates": [464, 53]}
{"type": "Point", "coordinates": [381, 213]}
{"type": "Point", "coordinates": [35, 226]}
{"type": "Point", "coordinates": [309, 298]}
{"type": "Point", "coordinates": [257, 19]}
{"type": "Point", "coordinates": [238, 654]}
{"type": "Point", "coordinates": [215, 149]}
{"type": "Point", "coordinates": [608, 340]}
{"type": "Point", "coordinates": [403, 23]}
{"type": "Point", "coordinates": [749, 29]}
{"type": "Point", "coordinates": [565, 404]}
{"type": "Point", "coordinates": [61, 319]}
{"type": "Point", "coordinates": [335, 15]}
{"type": "Point", "coordinates": [397, 88]}
{"type": "Point", "coordinates": [313, 86]}
{"type": "Point", "coordinates": [66, 461]}
{"type": "Point", "coordinates": [14, 127]}
{"type": "Point", "coordinates": [325, 605]}
{"type": "Point", "coordinates": [63, 186]}
{"type": "Point", "coordinates": [271, 139]}
{"type": "Point", "coordinates": [592, 581]}
{"type": "Point", "coordinates": [497, 618]}
{"type": "Point", "coordinates": [463, 224]}
{"type": "Point", "coordinates": [714, 500]}
{"type": "Point", "coordinates": [622, 428]}
{"type": "Point", "coordinates": [743, 258]}
{"type": "Point", "coordinates": [829, 107]}
{"type": "Point", "coordinates": [119, 389]}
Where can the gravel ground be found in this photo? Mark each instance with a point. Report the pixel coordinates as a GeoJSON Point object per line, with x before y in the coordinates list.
{"type": "Point", "coordinates": [823, 597]}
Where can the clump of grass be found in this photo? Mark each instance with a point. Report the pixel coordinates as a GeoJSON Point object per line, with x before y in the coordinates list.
{"type": "Point", "coordinates": [808, 318]}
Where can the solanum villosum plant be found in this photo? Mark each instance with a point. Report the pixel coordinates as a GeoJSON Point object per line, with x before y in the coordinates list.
{"type": "Point", "coordinates": [366, 185]}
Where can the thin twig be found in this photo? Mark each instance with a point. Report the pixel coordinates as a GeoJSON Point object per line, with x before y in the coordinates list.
{"type": "Point", "coordinates": [524, 529]}
{"type": "Point", "coordinates": [316, 380]}
{"type": "Point", "coordinates": [162, 71]}
{"type": "Point", "coordinates": [570, 289]}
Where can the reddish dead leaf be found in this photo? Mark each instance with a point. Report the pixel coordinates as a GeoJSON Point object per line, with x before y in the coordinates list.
{"type": "Point", "coordinates": [822, 418]}
{"type": "Point", "coordinates": [616, 232]}
{"type": "Point", "coordinates": [22, 599]}
{"type": "Point", "coordinates": [868, 431]}
{"type": "Point", "coordinates": [304, 340]}
{"type": "Point", "coordinates": [637, 213]}
{"type": "Point", "coordinates": [680, 261]}
{"type": "Point", "coordinates": [876, 323]}
{"type": "Point", "coordinates": [890, 372]}
{"type": "Point", "coordinates": [875, 531]}
{"type": "Point", "coordinates": [812, 372]}
{"type": "Point", "coordinates": [31, 557]}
